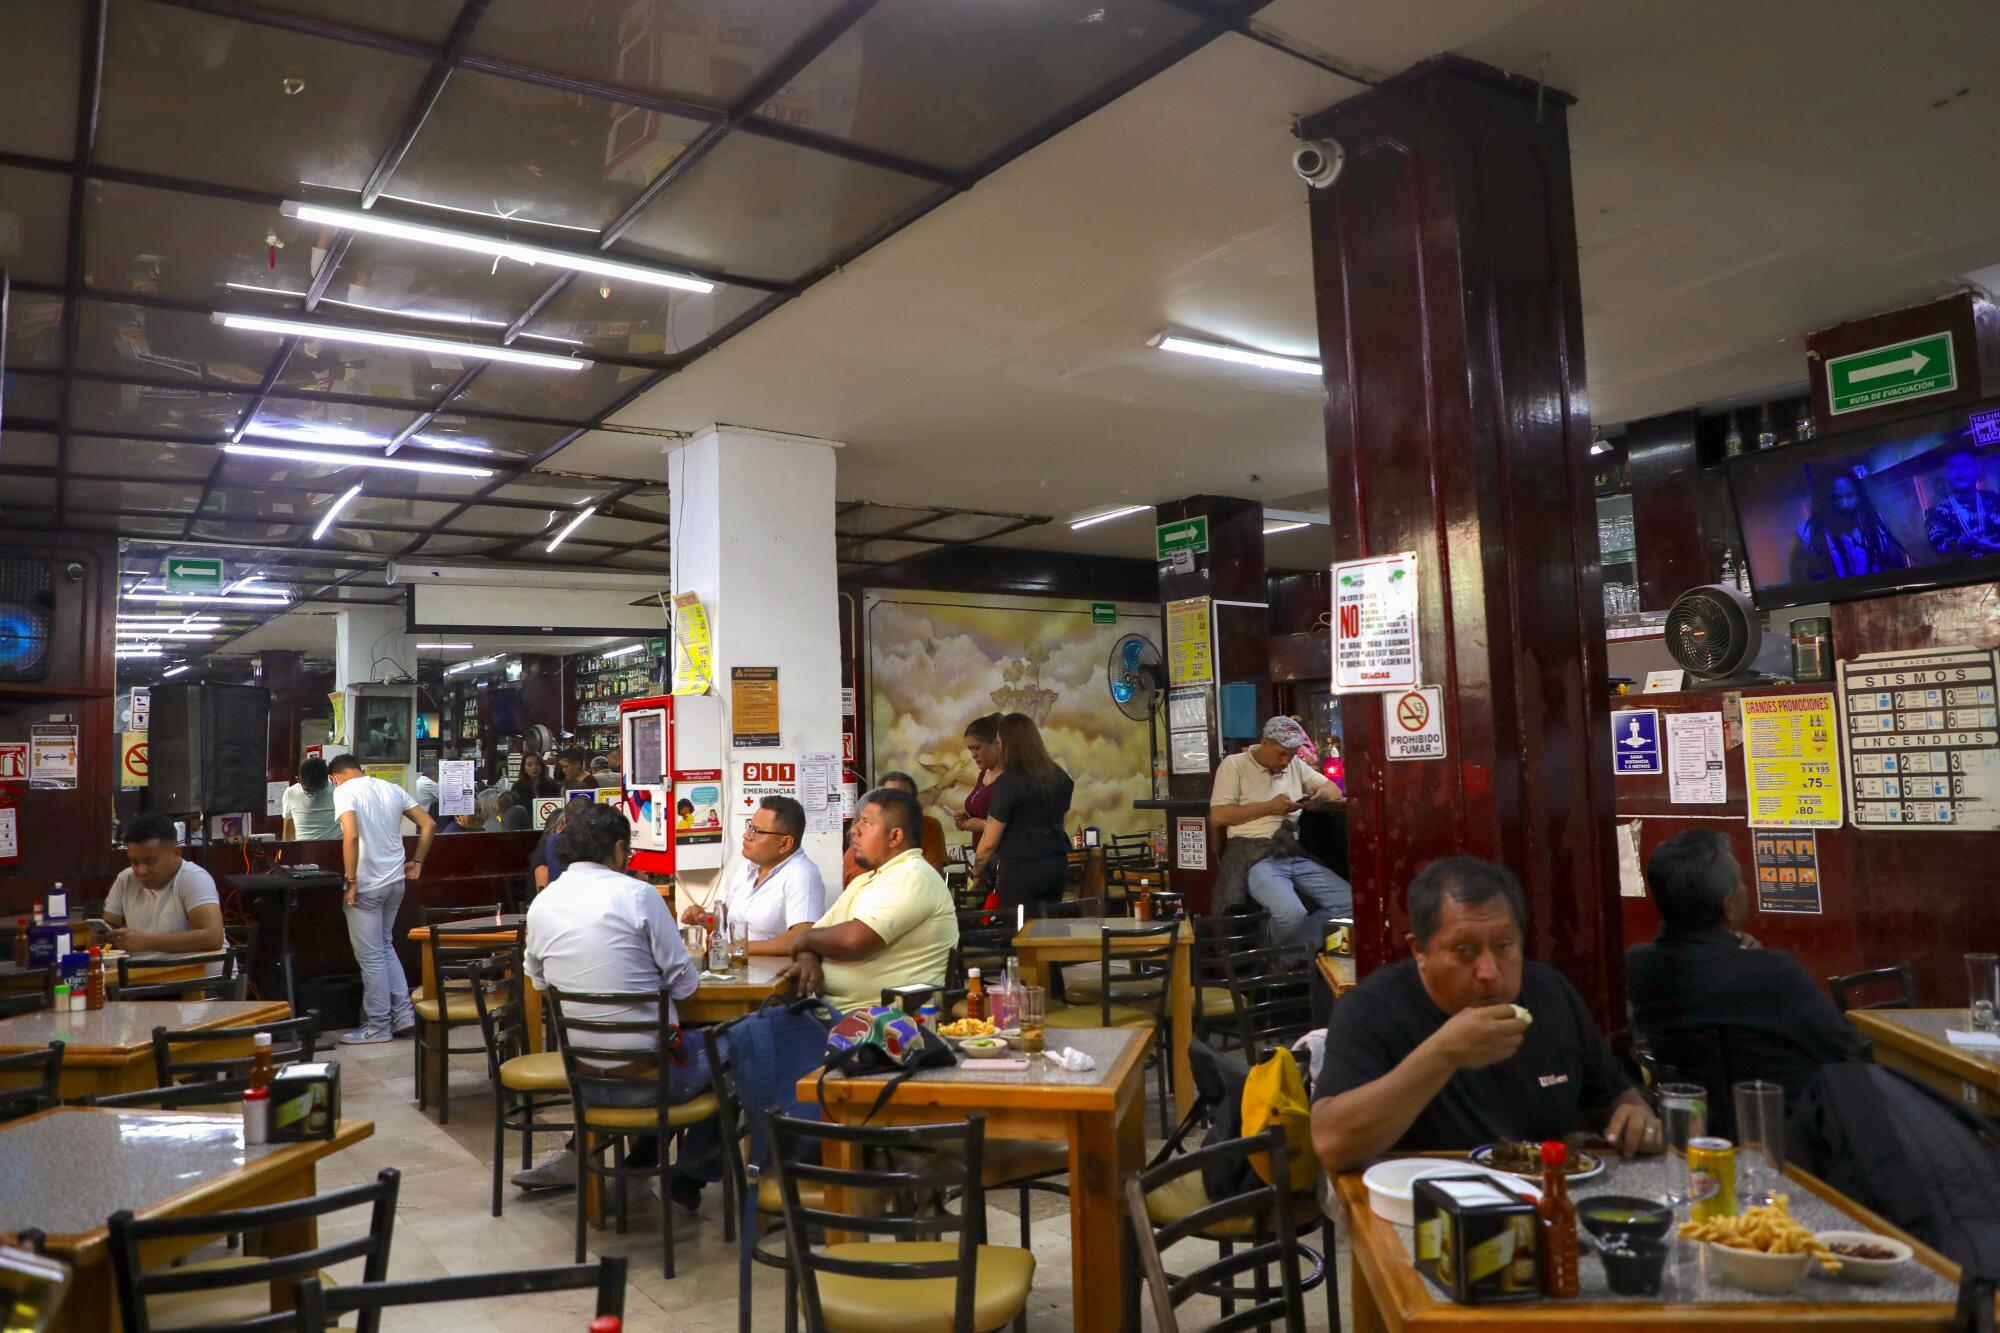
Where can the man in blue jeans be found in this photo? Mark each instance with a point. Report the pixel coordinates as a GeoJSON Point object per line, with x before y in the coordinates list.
{"type": "Point", "coordinates": [371, 814]}
{"type": "Point", "coordinates": [1255, 795]}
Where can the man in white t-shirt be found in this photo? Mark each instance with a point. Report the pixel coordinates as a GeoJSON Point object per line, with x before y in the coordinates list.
{"type": "Point", "coordinates": [371, 814]}
{"type": "Point", "coordinates": [1254, 795]}
{"type": "Point", "coordinates": [162, 903]}
{"type": "Point", "coordinates": [779, 889]}
{"type": "Point", "coordinates": [308, 805]}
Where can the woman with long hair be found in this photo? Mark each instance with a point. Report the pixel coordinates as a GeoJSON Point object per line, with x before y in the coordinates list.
{"type": "Point", "coordinates": [1843, 535]}
{"type": "Point", "coordinates": [535, 780]}
{"type": "Point", "coordinates": [1023, 839]}
{"type": "Point", "coordinates": [982, 742]}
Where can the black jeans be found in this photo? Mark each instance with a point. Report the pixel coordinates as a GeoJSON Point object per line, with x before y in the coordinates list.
{"type": "Point", "coordinates": [1031, 883]}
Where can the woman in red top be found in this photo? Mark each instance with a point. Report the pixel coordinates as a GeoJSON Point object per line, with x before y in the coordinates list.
{"type": "Point", "coordinates": [982, 742]}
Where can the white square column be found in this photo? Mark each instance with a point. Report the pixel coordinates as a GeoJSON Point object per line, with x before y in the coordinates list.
{"type": "Point", "coordinates": [752, 525]}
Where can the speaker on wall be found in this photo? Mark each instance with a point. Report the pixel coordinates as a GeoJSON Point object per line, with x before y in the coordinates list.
{"type": "Point", "coordinates": [27, 614]}
{"type": "Point", "coordinates": [207, 746]}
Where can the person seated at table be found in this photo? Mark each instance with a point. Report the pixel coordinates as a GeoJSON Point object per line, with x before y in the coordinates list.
{"type": "Point", "coordinates": [893, 926]}
{"type": "Point", "coordinates": [1776, 1022]}
{"type": "Point", "coordinates": [934, 851]}
{"type": "Point", "coordinates": [162, 903]}
{"type": "Point", "coordinates": [308, 804]}
{"type": "Point", "coordinates": [597, 929]}
{"type": "Point", "coordinates": [1255, 795]}
{"type": "Point", "coordinates": [535, 779]}
{"type": "Point", "coordinates": [574, 766]}
{"type": "Point", "coordinates": [512, 816]}
{"type": "Point", "coordinates": [1434, 1053]}
{"type": "Point", "coordinates": [602, 773]}
{"type": "Point", "coordinates": [778, 893]}
{"type": "Point", "coordinates": [546, 859]}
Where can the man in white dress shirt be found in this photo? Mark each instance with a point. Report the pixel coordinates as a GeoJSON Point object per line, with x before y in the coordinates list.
{"type": "Point", "coordinates": [596, 928]}
{"type": "Point", "coordinates": [778, 890]}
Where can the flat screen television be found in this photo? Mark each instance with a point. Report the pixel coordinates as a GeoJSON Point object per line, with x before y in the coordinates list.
{"type": "Point", "coordinates": [1905, 505]}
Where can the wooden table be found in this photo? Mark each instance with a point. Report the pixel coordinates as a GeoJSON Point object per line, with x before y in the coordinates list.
{"type": "Point", "coordinates": [1390, 1296]}
{"type": "Point", "coordinates": [1100, 1114]}
{"type": "Point", "coordinates": [69, 1169]}
{"type": "Point", "coordinates": [721, 1001]}
{"type": "Point", "coordinates": [1075, 939]}
{"type": "Point", "coordinates": [111, 1049]}
{"type": "Point", "coordinates": [1913, 1041]}
{"type": "Point", "coordinates": [1338, 971]}
{"type": "Point", "coordinates": [460, 934]}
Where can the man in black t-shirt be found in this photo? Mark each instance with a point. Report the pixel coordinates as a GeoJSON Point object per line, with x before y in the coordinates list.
{"type": "Point", "coordinates": [1434, 1053]}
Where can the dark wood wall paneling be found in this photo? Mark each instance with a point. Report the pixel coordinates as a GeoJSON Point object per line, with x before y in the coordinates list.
{"type": "Point", "coordinates": [1667, 506]}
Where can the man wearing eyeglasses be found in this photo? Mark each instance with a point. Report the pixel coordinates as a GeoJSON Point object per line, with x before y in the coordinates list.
{"type": "Point", "coordinates": [778, 892]}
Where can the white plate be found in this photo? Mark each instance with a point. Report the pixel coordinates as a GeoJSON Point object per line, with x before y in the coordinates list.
{"type": "Point", "coordinates": [1574, 1177]}
{"type": "Point", "coordinates": [1390, 1184]}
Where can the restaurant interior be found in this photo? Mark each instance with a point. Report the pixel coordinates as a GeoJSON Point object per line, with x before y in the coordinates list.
{"type": "Point", "coordinates": [1564, 436]}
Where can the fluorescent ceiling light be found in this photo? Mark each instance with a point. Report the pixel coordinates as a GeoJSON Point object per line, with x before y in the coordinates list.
{"type": "Point", "coordinates": [140, 652]}
{"type": "Point", "coordinates": [462, 666]}
{"type": "Point", "coordinates": [298, 328]}
{"type": "Point", "coordinates": [1273, 528]}
{"type": "Point", "coordinates": [1106, 516]}
{"type": "Point", "coordinates": [170, 621]}
{"type": "Point", "coordinates": [442, 647]}
{"type": "Point", "coordinates": [151, 634]}
{"type": "Point", "coordinates": [423, 316]}
{"type": "Point", "coordinates": [314, 434]}
{"type": "Point", "coordinates": [1242, 356]}
{"type": "Point", "coordinates": [333, 511]}
{"type": "Point", "coordinates": [626, 651]}
{"type": "Point", "coordinates": [205, 597]}
{"type": "Point", "coordinates": [355, 460]}
{"type": "Point", "coordinates": [175, 671]}
{"type": "Point", "coordinates": [572, 526]}
{"type": "Point", "coordinates": [354, 219]}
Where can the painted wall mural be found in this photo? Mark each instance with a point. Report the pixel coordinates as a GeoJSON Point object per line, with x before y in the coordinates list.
{"type": "Point", "coordinates": [938, 660]}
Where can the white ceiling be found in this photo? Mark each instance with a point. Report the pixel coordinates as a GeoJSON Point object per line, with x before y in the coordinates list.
{"type": "Point", "coordinates": [311, 631]}
{"type": "Point", "coordinates": [1744, 174]}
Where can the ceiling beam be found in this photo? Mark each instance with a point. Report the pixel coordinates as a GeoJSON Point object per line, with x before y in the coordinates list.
{"type": "Point", "coordinates": [89, 98]}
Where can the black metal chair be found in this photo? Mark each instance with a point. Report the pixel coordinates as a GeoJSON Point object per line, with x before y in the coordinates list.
{"type": "Point", "coordinates": [985, 941]}
{"type": "Point", "coordinates": [1261, 1215]}
{"type": "Point", "coordinates": [526, 1083]}
{"type": "Point", "coordinates": [606, 1078]}
{"type": "Point", "coordinates": [39, 1094]}
{"type": "Point", "coordinates": [860, 1286]}
{"type": "Point", "coordinates": [1272, 997]}
{"type": "Point", "coordinates": [1692, 1055]}
{"type": "Point", "coordinates": [1847, 990]}
{"type": "Point", "coordinates": [222, 1094]}
{"type": "Point", "coordinates": [26, 991]}
{"type": "Point", "coordinates": [320, 1304]}
{"type": "Point", "coordinates": [1135, 989]}
{"type": "Point", "coordinates": [1216, 1020]}
{"type": "Point", "coordinates": [226, 983]}
{"type": "Point", "coordinates": [1074, 908]}
{"type": "Point", "coordinates": [202, 1054]}
{"type": "Point", "coordinates": [241, 938]}
{"type": "Point", "coordinates": [186, 1296]}
{"type": "Point", "coordinates": [448, 1001]}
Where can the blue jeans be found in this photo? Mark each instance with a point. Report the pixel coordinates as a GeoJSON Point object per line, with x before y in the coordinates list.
{"type": "Point", "coordinates": [1299, 893]}
{"type": "Point", "coordinates": [371, 929]}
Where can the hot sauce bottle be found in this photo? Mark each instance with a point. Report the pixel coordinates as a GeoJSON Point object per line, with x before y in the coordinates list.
{"type": "Point", "coordinates": [1555, 1220]}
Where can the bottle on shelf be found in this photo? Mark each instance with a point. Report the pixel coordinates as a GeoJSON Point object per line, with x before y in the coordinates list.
{"type": "Point", "coordinates": [93, 980]}
{"type": "Point", "coordinates": [975, 995]}
{"type": "Point", "coordinates": [1555, 1225]}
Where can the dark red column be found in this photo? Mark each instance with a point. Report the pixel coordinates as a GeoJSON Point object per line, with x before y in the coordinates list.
{"type": "Point", "coordinates": [283, 674]}
{"type": "Point", "coordinates": [1457, 427]}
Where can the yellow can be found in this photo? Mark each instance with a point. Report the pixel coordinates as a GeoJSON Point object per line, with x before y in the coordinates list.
{"type": "Point", "coordinates": [1711, 1179]}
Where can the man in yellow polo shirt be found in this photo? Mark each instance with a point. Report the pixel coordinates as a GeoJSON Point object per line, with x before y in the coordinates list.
{"type": "Point", "coordinates": [893, 926]}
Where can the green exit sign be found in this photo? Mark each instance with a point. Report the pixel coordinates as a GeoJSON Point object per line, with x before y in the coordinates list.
{"type": "Point", "coordinates": [1917, 368]}
{"type": "Point", "coordinates": [1188, 534]}
{"type": "Point", "coordinates": [1103, 613]}
{"type": "Point", "coordinates": [189, 575]}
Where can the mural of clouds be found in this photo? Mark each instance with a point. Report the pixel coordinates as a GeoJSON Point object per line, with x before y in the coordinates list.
{"type": "Point", "coordinates": [938, 660]}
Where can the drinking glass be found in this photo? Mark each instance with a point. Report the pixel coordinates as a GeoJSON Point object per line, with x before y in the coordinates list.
{"type": "Point", "coordinates": [1683, 1116]}
{"type": "Point", "coordinates": [1760, 1141]}
{"type": "Point", "coordinates": [1031, 1004]}
{"type": "Point", "coordinates": [1982, 984]}
{"type": "Point", "coordinates": [739, 945]}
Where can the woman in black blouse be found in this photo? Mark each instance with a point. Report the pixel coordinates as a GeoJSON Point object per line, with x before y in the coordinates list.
{"type": "Point", "coordinates": [534, 780]}
{"type": "Point", "coordinates": [1023, 839]}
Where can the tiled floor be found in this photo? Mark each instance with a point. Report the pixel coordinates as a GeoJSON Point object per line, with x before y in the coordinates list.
{"type": "Point", "coordinates": [444, 1222]}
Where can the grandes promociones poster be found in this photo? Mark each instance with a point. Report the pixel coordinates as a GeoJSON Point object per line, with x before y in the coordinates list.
{"type": "Point", "coordinates": [1375, 624]}
{"type": "Point", "coordinates": [1791, 761]}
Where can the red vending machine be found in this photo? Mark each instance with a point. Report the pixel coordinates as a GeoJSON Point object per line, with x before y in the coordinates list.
{"type": "Point", "coordinates": [646, 731]}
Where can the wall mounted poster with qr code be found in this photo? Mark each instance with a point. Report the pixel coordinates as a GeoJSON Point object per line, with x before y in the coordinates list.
{"type": "Point", "coordinates": [1921, 732]}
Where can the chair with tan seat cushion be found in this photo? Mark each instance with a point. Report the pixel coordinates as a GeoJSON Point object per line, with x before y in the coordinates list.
{"type": "Point", "coordinates": [931, 1274]}
{"type": "Point", "coordinates": [526, 1085]}
{"type": "Point", "coordinates": [449, 1001]}
{"type": "Point", "coordinates": [1136, 962]}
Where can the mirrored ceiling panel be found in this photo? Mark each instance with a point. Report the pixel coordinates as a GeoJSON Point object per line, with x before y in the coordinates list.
{"type": "Point", "coordinates": [22, 496]}
{"type": "Point", "coordinates": [204, 98]}
{"type": "Point", "coordinates": [127, 408]}
{"type": "Point", "coordinates": [34, 332]}
{"type": "Point", "coordinates": [457, 433]}
{"type": "Point", "coordinates": [31, 397]}
{"type": "Point", "coordinates": [492, 520]}
{"type": "Point", "coordinates": [418, 20]}
{"type": "Point", "coordinates": [555, 490]}
{"type": "Point", "coordinates": [323, 366]}
{"type": "Point", "coordinates": [223, 530]}
{"type": "Point", "coordinates": [569, 395]}
{"type": "Point", "coordinates": [707, 51]}
{"type": "Point", "coordinates": [506, 151]}
{"type": "Point", "coordinates": [152, 495]}
{"type": "Point", "coordinates": [34, 207]}
{"type": "Point", "coordinates": [464, 294]}
{"type": "Point", "coordinates": [152, 344]}
{"type": "Point", "coordinates": [765, 209]}
{"type": "Point", "coordinates": [141, 458]}
{"type": "Point", "coordinates": [28, 448]}
{"type": "Point", "coordinates": [40, 63]}
{"type": "Point", "coordinates": [306, 423]}
{"type": "Point", "coordinates": [370, 510]}
{"type": "Point", "coordinates": [193, 248]}
{"type": "Point", "coordinates": [637, 320]}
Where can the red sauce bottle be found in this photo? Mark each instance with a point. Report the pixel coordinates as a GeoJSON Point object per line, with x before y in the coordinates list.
{"type": "Point", "coordinates": [1555, 1225]}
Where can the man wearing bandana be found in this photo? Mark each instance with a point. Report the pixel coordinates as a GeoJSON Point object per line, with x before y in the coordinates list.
{"type": "Point", "coordinates": [1967, 521]}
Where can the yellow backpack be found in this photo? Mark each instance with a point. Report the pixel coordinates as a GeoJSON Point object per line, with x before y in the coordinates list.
{"type": "Point", "coordinates": [1275, 1094]}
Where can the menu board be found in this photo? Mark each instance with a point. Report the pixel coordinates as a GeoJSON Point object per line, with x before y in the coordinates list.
{"type": "Point", "coordinates": [1791, 761]}
{"type": "Point", "coordinates": [1923, 739]}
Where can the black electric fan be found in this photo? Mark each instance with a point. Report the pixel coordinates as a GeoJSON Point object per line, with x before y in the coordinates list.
{"type": "Point", "coordinates": [1715, 633]}
{"type": "Point", "coordinates": [1138, 679]}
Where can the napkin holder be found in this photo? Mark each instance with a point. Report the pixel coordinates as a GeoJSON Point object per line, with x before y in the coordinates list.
{"type": "Point", "coordinates": [1475, 1239]}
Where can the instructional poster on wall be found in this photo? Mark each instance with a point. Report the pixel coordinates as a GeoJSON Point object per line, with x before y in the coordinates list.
{"type": "Point", "coordinates": [10, 832]}
{"type": "Point", "coordinates": [52, 756]}
{"type": "Point", "coordinates": [1187, 752]}
{"type": "Point", "coordinates": [1190, 660]}
{"type": "Point", "coordinates": [1375, 624]}
{"type": "Point", "coordinates": [753, 707]}
{"type": "Point", "coordinates": [1187, 708]}
{"type": "Point", "coordinates": [1787, 872]}
{"type": "Point", "coordinates": [1791, 761]}
{"type": "Point", "coordinates": [1923, 739]}
{"type": "Point", "coordinates": [1190, 843]}
{"type": "Point", "coordinates": [455, 787]}
{"type": "Point", "coordinates": [697, 806]}
{"type": "Point", "coordinates": [694, 664]}
{"type": "Point", "coordinates": [819, 791]}
{"type": "Point", "coordinates": [1695, 774]}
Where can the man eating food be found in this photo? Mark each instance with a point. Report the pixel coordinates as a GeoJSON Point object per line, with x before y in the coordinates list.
{"type": "Point", "coordinates": [1464, 1043]}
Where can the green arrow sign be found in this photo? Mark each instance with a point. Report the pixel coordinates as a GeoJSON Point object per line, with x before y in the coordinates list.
{"type": "Point", "coordinates": [1914, 369]}
{"type": "Point", "coordinates": [187, 575]}
{"type": "Point", "coordinates": [1103, 613]}
{"type": "Point", "coordinates": [1189, 534]}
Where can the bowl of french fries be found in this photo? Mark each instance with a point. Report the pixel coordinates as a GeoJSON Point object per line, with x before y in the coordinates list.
{"type": "Point", "coordinates": [1762, 1248]}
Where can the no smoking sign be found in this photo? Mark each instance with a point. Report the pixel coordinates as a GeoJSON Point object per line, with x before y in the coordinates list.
{"type": "Point", "coordinates": [1413, 723]}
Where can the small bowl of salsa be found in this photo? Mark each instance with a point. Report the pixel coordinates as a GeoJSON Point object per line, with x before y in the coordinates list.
{"type": "Point", "coordinates": [1611, 1217]}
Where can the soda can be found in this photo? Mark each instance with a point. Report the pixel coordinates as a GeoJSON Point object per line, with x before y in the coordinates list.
{"type": "Point", "coordinates": [1711, 1178]}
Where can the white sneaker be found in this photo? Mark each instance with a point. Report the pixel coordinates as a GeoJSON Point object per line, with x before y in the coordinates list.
{"type": "Point", "coordinates": [364, 1037]}
{"type": "Point", "coordinates": [558, 1173]}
